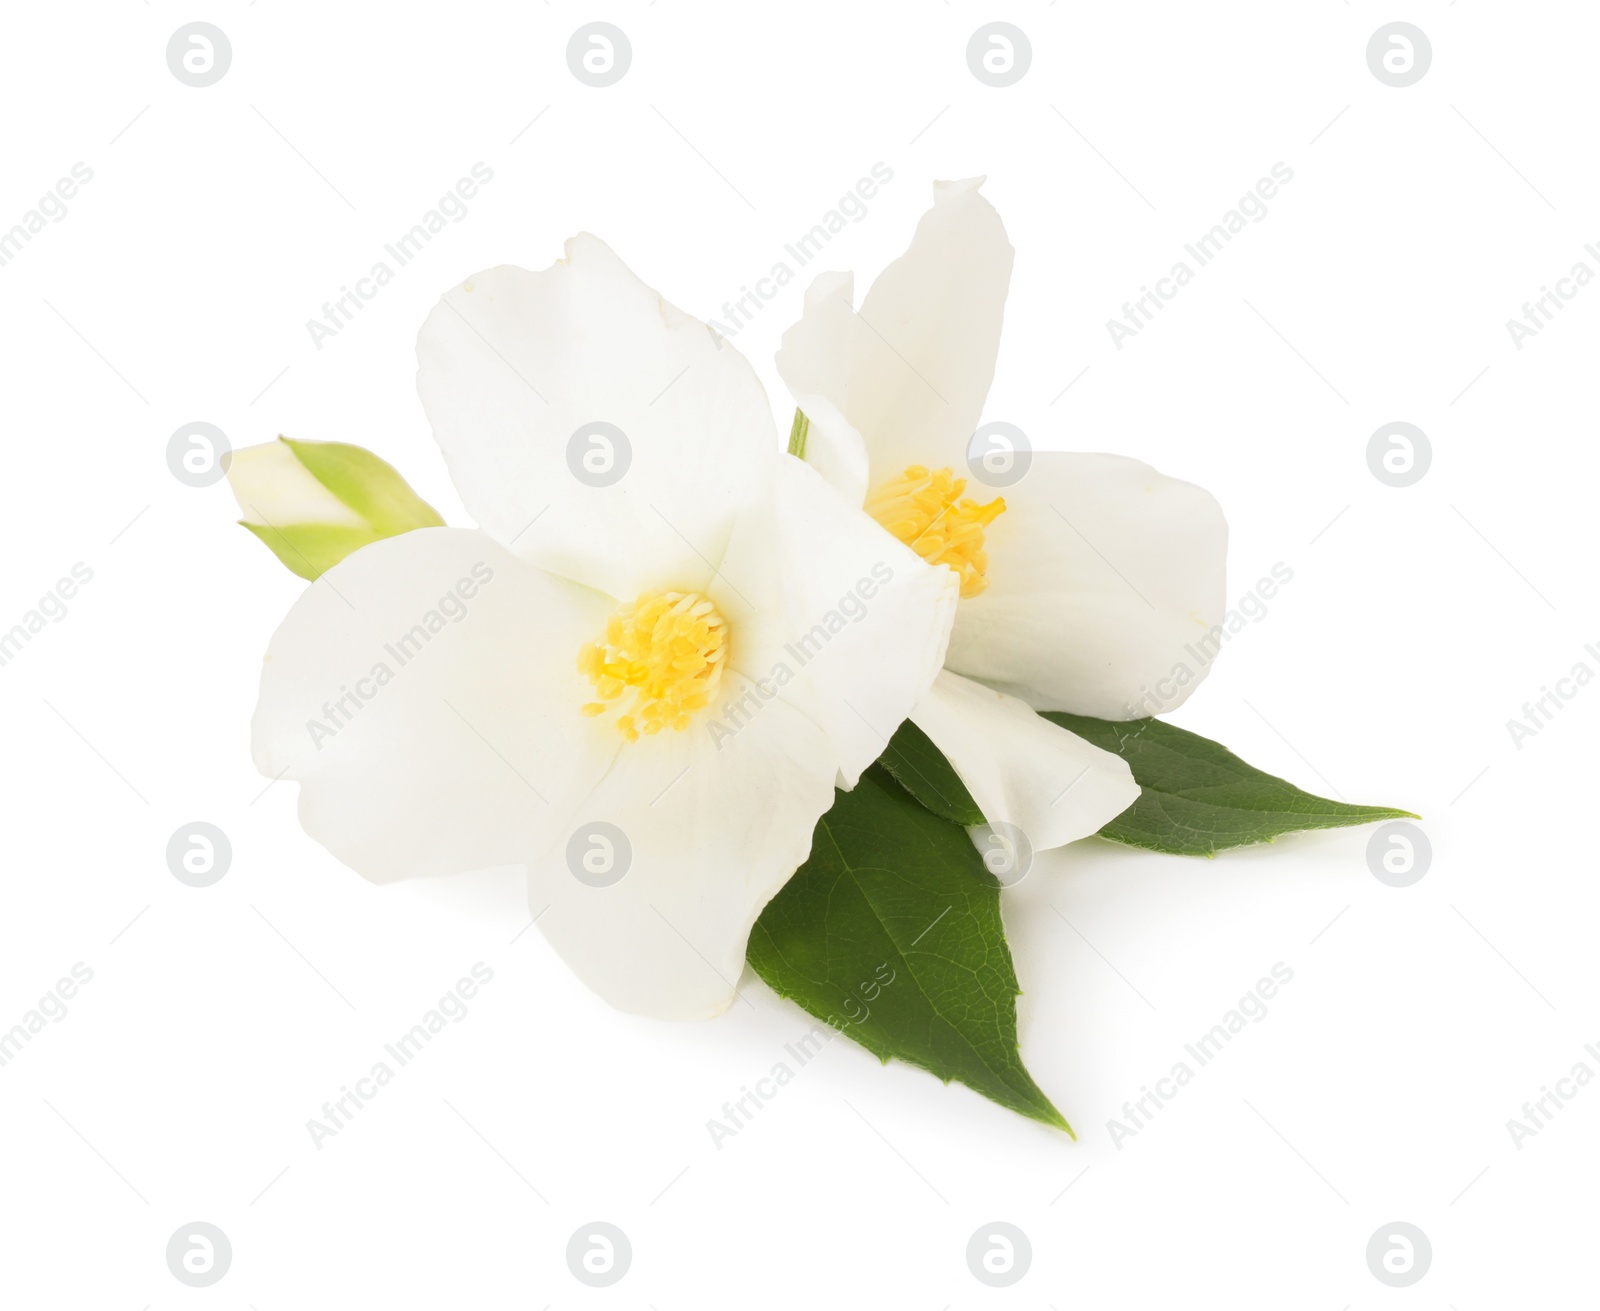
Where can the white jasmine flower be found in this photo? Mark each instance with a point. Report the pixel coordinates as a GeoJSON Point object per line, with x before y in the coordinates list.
{"type": "Point", "coordinates": [640, 677]}
{"type": "Point", "coordinates": [1083, 581]}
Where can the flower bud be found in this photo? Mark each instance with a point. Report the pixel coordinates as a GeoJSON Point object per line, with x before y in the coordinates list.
{"type": "Point", "coordinates": [314, 503]}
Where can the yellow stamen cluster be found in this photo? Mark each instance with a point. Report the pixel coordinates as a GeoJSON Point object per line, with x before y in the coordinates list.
{"type": "Point", "coordinates": [667, 649]}
{"type": "Point", "coordinates": [926, 510]}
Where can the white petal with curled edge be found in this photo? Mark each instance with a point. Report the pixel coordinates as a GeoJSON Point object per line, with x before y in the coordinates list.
{"type": "Point", "coordinates": [1021, 769]}
{"type": "Point", "coordinates": [424, 693]}
{"type": "Point", "coordinates": [512, 364]}
{"type": "Point", "coordinates": [845, 622]}
{"type": "Point", "coordinates": [700, 830]}
{"type": "Point", "coordinates": [1105, 586]}
{"type": "Point", "coordinates": [814, 362]}
{"type": "Point", "coordinates": [927, 336]}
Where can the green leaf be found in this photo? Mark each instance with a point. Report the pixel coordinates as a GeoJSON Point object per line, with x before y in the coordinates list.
{"type": "Point", "coordinates": [921, 768]}
{"type": "Point", "coordinates": [1198, 798]}
{"type": "Point", "coordinates": [799, 430]}
{"type": "Point", "coordinates": [891, 932]}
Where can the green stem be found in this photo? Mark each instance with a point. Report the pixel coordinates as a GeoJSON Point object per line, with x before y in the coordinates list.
{"type": "Point", "coordinates": [798, 431]}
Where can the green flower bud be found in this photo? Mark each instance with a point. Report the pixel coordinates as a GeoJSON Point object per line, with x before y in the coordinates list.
{"type": "Point", "coordinates": [314, 503]}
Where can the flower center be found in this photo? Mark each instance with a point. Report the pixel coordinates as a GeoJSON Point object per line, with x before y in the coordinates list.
{"type": "Point", "coordinates": [925, 509]}
{"type": "Point", "coordinates": [660, 661]}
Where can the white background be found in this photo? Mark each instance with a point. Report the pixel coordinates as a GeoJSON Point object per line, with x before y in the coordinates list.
{"type": "Point", "coordinates": [1419, 621]}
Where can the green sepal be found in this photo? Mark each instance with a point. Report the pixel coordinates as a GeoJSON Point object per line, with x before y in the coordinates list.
{"type": "Point", "coordinates": [372, 487]}
{"type": "Point", "coordinates": [310, 550]}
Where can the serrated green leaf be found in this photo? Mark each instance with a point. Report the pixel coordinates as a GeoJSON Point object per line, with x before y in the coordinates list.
{"type": "Point", "coordinates": [1197, 798]}
{"type": "Point", "coordinates": [891, 931]}
{"type": "Point", "coordinates": [921, 768]}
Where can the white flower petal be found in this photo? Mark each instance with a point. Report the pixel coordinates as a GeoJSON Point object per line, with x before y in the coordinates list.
{"type": "Point", "coordinates": [1105, 578]}
{"type": "Point", "coordinates": [851, 626]}
{"type": "Point", "coordinates": [513, 363]}
{"type": "Point", "coordinates": [1023, 770]}
{"type": "Point", "coordinates": [424, 693]}
{"type": "Point", "coordinates": [815, 362]}
{"type": "Point", "coordinates": [714, 828]}
{"type": "Point", "coordinates": [920, 353]}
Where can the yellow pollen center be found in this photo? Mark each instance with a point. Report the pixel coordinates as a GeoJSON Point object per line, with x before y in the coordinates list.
{"type": "Point", "coordinates": [925, 509]}
{"type": "Point", "coordinates": [660, 661]}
